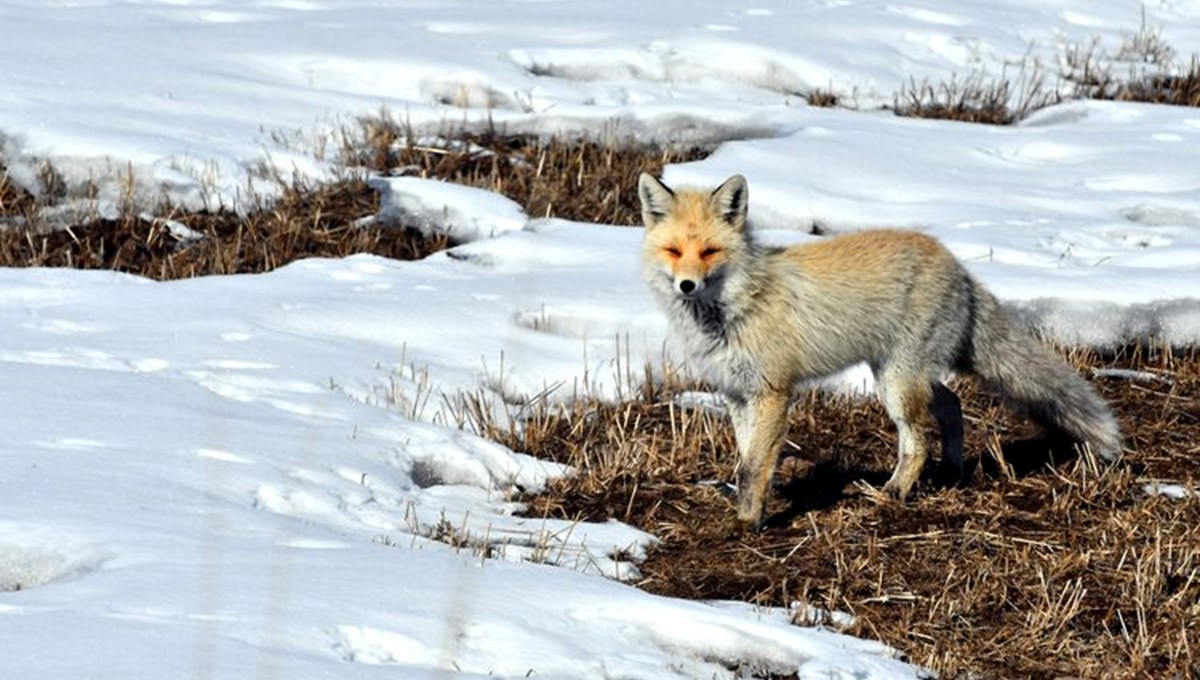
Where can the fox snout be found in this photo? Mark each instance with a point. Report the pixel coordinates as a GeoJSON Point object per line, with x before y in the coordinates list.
{"type": "Point", "coordinates": [695, 269]}
{"type": "Point", "coordinates": [688, 286]}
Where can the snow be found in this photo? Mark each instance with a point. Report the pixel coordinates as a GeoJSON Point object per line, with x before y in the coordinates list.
{"type": "Point", "coordinates": [1172, 491]}
{"type": "Point", "coordinates": [205, 476]}
{"type": "Point", "coordinates": [241, 474]}
{"type": "Point", "coordinates": [433, 206]}
{"type": "Point", "coordinates": [193, 94]}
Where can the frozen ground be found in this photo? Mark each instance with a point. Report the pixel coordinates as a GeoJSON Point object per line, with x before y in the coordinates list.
{"type": "Point", "coordinates": [238, 475]}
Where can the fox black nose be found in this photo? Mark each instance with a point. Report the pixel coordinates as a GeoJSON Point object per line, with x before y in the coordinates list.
{"type": "Point", "coordinates": [686, 286]}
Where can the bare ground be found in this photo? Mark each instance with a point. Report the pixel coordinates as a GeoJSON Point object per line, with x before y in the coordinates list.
{"type": "Point", "coordinates": [1046, 564]}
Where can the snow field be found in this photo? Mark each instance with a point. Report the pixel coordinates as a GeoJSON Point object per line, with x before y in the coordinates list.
{"type": "Point", "coordinates": [237, 475]}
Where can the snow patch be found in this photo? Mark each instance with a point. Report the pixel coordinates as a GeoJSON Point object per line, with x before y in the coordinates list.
{"type": "Point", "coordinates": [433, 206]}
{"type": "Point", "coordinates": [1173, 491]}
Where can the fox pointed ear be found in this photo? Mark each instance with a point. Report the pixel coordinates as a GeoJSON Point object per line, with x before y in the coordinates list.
{"type": "Point", "coordinates": [731, 200]}
{"type": "Point", "coordinates": [656, 199]}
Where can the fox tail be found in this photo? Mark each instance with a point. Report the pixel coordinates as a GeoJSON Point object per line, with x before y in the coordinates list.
{"type": "Point", "coordinates": [1024, 370]}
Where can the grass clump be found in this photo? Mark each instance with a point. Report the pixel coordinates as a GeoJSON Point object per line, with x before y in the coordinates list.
{"type": "Point", "coordinates": [1180, 89]}
{"type": "Point", "coordinates": [330, 220]}
{"type": "Point", "coordinates": [823, 98]}
{"type": "Point", "coordinates": [575, 179]}
{"type": "Point", "coordinates": [14, 199]}
{"type": "Point", "coordinates": [976, 99]}
{"type": "Point", "coordinates": [1151, 74]}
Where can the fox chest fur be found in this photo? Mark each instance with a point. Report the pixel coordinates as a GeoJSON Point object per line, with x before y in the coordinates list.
{"type": "Point", "coordinates": [713, 337]}
{"type": "Point", "coordinates": [758, 325]}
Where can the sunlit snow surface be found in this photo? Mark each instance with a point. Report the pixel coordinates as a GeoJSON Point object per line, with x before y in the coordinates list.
{"type": "Point", "coordinates": [233, 477]}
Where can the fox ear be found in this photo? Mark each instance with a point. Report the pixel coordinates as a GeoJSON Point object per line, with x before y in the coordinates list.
{"type": "Point", "coordinates": [656, 199]}
{"type": "Point", "coordinates": [731, 200]}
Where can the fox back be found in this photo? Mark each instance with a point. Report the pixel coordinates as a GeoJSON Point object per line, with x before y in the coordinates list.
{"type": "Point", "coordinates": [797, 313]}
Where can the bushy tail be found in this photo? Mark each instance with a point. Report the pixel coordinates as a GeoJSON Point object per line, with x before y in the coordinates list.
{"type": "Point", "coordinates": [1010, 360]}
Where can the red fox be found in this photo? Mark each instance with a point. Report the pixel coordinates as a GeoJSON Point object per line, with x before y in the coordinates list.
{"type": "Point", "coordinates": [759, 321]}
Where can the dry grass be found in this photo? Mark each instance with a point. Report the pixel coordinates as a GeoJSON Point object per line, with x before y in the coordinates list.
{"type": "Point", "coordinates": [977, 99]}
{"type": "Point", "coordinates": [1182, 89]}
{"type": "Point", "coordinates": [320, 221]}
{"type": "Point", "coordinates": [582, 180]}
{"type": "Point", "coordinates": [823, 98]}
{"type": "Point", "coordinates": [1046, 564]}
{"type": "Point", "coordinates": [1143, 68]}
{"type": "Point", "coordinates": [1005, 101]}
{"type": "Point", "coordinates": [14, 200]}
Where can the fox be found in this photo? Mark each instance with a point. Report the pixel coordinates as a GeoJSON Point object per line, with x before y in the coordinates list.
{"type": "Point", "coordinates": [760, 322]}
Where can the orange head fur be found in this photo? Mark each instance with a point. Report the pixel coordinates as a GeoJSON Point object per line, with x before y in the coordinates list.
{"type": "Point", "coordinates": [692, 235]}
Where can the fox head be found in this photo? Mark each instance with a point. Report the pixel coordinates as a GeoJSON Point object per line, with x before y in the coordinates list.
{"type": "Point", "coordinates": [692, 236]}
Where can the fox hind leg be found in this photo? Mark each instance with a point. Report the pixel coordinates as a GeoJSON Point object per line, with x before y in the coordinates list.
{"type": "Point", "coordinates": [907, 403]}
{"type": "Point", "coordinates": [947, 410]}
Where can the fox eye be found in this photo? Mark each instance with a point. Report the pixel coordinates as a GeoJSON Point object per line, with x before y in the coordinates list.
{"type": "Point", "coordinates": [674, 252]}
{"type": "Point", "coordinates": [709, 252]}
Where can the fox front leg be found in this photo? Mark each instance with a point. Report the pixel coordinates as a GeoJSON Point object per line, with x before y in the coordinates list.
{"type": "Point", "coordinates": [759, 425]}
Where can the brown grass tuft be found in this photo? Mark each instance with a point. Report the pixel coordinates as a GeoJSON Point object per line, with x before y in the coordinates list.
{"type": "Point", "coordinates": [1182, 89]}
{"type": "Point", "coordinates": [823, 98]}
{"type": "Point", "coordinates": [976, 99]}
{"type": "Point", "coordinates": [1048, 564]}
{"type": "Point", "coordinates": [583, 180]}
{"type": "Point", "coordinates": [1088, 71]}
{"type": "Point", "coordinates": [304, 222]}
{"type": "Point", "coordinates": [14, 200]}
